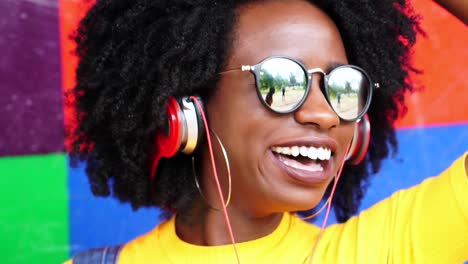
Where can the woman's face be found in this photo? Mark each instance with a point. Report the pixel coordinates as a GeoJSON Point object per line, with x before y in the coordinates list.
{"type": "Point", "coordinates": [265, 181]}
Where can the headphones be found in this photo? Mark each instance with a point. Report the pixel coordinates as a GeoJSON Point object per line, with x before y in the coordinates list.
{"type": "Point", "coordinates": [184, 131]}
{"type": "Point", "coordinates": [360, 144]}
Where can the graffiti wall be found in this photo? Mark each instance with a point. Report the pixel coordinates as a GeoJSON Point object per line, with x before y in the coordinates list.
{"type": "Point", "coordinates": [47, 211]}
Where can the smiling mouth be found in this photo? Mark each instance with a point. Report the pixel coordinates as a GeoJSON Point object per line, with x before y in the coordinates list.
{"type": "Point", "coordinates": [307, 163]}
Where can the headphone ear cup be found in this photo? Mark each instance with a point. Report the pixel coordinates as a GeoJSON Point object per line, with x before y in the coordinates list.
{"type": "Point", "coordinates": [193, 128]}
{"type": "Point", "coordinates": [183, 132]}
{"type": "Point", "coordinates": [360, 143]}
{"type": "Point", "coordinates": [200, 125]}
{"type": "Point", "coordinates": [168, 139]}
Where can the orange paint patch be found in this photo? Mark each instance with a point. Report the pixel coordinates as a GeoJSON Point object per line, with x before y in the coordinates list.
{"type": "Point", "coordinates": [443, 57]}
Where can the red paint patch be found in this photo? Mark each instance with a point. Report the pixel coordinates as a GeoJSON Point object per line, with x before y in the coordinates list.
{"type": "Point", "coordinates": [70, 14]}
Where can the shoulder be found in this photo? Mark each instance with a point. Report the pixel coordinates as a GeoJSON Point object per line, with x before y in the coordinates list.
{"type": "Point", "coordinates": [145, 248]}
{"type": "Point", "coordinates": [142, 249]}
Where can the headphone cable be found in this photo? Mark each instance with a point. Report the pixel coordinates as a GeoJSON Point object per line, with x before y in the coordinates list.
{"type": "Point", "coordinates": [215, 174]}
{"type": "Point", "coordinates": [327, 213]}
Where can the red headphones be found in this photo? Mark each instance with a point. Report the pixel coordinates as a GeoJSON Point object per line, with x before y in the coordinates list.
{"type": "Point", "coordinates": [360, 144]}
{"type": "Point", "coordinates": [185, 129]}
{"type": "Point", "coordinates": [182, 133]}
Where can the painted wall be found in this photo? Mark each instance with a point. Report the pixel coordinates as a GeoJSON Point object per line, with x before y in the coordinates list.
{"type": "Point", "coordinates": [47, 211]}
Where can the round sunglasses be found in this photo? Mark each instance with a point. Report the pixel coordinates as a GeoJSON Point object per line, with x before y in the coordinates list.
{"type": "Point", "coordinates": [283, 85]}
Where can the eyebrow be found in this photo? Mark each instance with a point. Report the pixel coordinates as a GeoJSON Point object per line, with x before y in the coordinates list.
{"type": "Point", "coordinates": [332, 65]}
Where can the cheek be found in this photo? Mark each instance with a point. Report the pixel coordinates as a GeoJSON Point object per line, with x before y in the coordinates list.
{"type": "Point", "coordinates": [236, 110]}
{"type": "Point", "coordinates": [349, 132]}
{"type": "Point", "coordinates": [241, 121]}
{"type": "Point", "coordinates": [346, 137]}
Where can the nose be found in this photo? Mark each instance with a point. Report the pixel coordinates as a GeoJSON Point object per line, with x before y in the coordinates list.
{"type": "Point", "coordinates": [316, 110]}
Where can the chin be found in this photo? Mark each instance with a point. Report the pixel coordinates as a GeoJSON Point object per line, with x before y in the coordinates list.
{"type": "Point", "coordinates": [303, 202]}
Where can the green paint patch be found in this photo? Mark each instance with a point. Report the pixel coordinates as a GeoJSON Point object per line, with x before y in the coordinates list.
{"type": "Point", "coordinates": [34, 209]}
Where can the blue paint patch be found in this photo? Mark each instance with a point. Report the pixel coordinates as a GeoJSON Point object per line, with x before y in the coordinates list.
{"type": "Point", "coordinates": [423, 152]}
{"type": "Point", "coordinates": [96, 222]}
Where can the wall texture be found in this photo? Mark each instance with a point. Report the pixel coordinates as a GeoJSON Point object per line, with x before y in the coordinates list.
{"type": "Point", "coordinates": [47, 211]}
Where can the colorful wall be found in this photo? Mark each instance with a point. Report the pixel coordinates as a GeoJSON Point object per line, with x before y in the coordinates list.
{"type": "Point", "coordinates": [47, 211]}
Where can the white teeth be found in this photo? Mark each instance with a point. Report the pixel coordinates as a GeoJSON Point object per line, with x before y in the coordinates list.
{"type": "Point", "coordinates": [313, 153]}
{"type": "Point", "coordinates": [321, 154]}
{"type": "Point", "coordinates": [291, 164]}
{"type": "Point", "coordinates": [304, 151]}
{"type": "Point", "coordinates": [295, 151]}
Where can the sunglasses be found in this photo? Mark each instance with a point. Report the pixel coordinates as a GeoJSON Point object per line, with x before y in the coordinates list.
{"type": "Point", "coordinates": [283, 85]}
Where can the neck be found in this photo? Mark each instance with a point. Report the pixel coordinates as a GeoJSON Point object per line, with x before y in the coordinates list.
{"type": "Point", "coordinates": [207, 227]}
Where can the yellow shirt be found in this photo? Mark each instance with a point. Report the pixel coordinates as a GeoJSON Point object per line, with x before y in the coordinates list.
{"type": "Point", "coordinates": [425, 224]}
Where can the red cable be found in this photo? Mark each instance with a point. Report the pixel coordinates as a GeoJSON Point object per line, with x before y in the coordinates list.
{"type": "Point", "coordinates": [220, 193]}
{"type": "Point", "coordinates": [327, 214]}
{"type": "Point", "coordinates": [215, 174]}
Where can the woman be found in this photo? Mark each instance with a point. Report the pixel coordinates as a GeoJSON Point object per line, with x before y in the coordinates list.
{"type": "Point", "coordinates": [204, 61]}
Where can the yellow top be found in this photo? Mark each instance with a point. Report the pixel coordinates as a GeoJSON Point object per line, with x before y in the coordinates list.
{"type": "Point", "coordinates": [425, 224]}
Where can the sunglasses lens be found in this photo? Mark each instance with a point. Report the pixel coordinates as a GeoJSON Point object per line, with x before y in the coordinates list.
{"type": "Point", "coordinates": [282, 84]}
{"type": "Point", "coordinates": [348, 90]}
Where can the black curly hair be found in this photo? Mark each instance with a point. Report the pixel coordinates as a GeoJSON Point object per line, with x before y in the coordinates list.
{"type": "Point", "coordinates": [133, 54]}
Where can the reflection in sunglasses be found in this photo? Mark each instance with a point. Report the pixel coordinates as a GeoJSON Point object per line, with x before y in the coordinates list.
{"type": "Point", "coordinates": [283, 83]}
